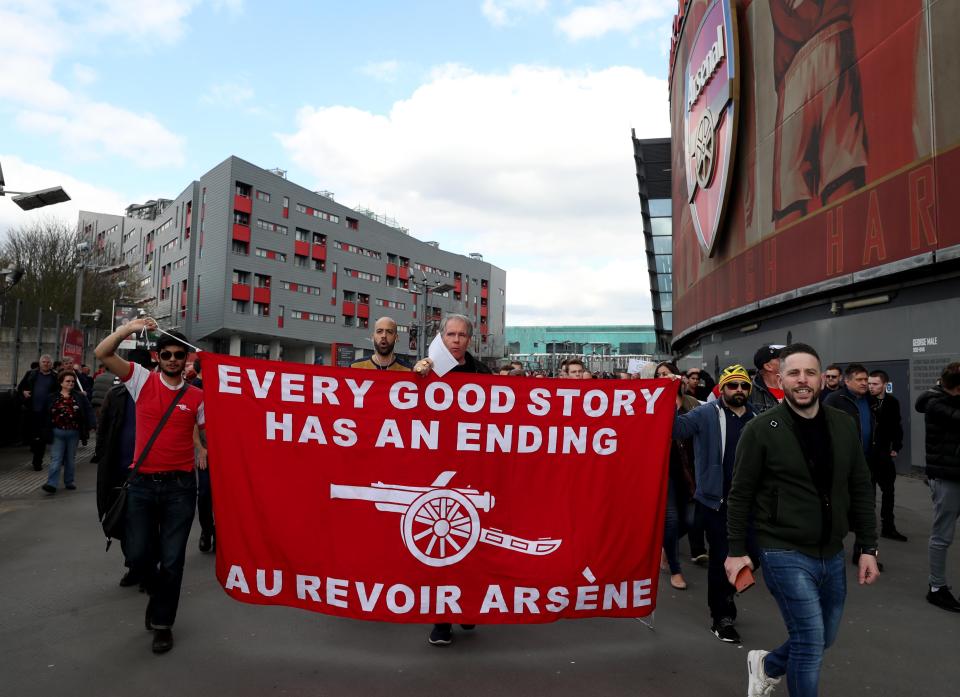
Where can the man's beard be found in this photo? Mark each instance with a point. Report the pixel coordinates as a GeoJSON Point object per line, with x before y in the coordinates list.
{"type": "Point", "coordinates": [384, 351]}
{"type": "Point", "coordinates": [172, 373]}
{"type": "Point", "coordinates": [737, 399]}
{"type": "Point", "coordinates": [788, 395]}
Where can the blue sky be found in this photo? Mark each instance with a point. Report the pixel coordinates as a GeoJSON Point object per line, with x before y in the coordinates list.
{"type": "Point", "coordinates": [499, 126]}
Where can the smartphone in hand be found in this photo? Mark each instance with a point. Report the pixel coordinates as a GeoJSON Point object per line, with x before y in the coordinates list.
{"type": "Point", "coordinates": [745, 580]}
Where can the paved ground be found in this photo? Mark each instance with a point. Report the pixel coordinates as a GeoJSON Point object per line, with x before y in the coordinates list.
{"type": "Point", "coordinates": [66, 628]}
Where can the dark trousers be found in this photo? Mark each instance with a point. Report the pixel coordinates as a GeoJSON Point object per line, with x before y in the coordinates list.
{"type": "Point", "coordinates": [160, 511]}
{"type": "Point", "coordinates": [883, 473]}
{"type": "Point", "coordinates": [38, 446]}
{"type": "Point", "coordinates": [720, 591]}
{"type": "Point", "coordinates": [695, 535]}
{"type": "Point", "coordinates": [205, 501]}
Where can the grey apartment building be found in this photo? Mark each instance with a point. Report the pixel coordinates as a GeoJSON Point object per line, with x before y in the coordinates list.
{"type": "Point", "coordinates": [245, 262]}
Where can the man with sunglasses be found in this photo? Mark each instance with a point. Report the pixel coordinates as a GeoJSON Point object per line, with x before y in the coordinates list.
{"type": "Point", "coordinates": [715, 428]}
{"type": "Point", "coordinates": [162, 496]}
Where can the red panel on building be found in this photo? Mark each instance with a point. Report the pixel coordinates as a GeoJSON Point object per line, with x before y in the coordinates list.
{"type": "Point", "coordinates": [286, 214]}
{"type": "Point", "coordinates": [483, 311]}
{"type": "Point", "coordinates": [241, 233]}
{"type": "Point", "coordinates": [319, 252]}
{"type": "Point", "coordinates": [349, 309]}
{"type": "Point", "coordinates": [363, 310]}
{"type": "Point", "coordinates": [240, 292]}
{"type": "Point", "coordinates": [301, 248]}
{"type": "Point", "coordinates": [483, 292]}
{"type": "Point", "coordinates": [404, 272]}
{"type": "Point", "coordinates": [458, 286]}
{"type": "Point", "coordinates": [242, 204]}
{"type": "Point", "coordinates": [392, 270]}
{"type": "Point", "coordinates": [261, 295]}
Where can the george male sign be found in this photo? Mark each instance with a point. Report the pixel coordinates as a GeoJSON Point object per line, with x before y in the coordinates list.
{"type": "Point", "coordinates": [472, 499]}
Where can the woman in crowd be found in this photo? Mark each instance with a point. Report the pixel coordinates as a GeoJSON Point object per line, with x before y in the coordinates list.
{"type": "Point", "coordinates": [67, 414]}
{"type": "Point", "coordinates": [679, 486]}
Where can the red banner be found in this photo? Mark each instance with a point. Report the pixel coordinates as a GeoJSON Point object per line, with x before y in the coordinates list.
{"type": "Point", "coordinates": [472, 499]}
{"type": "Point", "coordinates": [71, 339]}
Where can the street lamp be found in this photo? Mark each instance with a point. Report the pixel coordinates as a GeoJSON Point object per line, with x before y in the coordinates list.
{"type": "Point", "coordinates": [425, 288]}
{"type": "Point", "coordinates": [28, 200]}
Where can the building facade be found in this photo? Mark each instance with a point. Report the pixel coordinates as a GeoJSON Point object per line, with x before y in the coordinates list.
{"type": "Point", "coordinates": [652, 158]}
{"type": "Point", "coordinates": [603, 347]}
{"type": "Point", "coordinates": [814, 153]}
{"type": "Point", "coordinates": [245, 262]}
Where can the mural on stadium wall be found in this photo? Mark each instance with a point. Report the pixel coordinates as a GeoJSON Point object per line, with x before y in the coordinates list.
{"type": "Point", "coordinates": [847, 140]}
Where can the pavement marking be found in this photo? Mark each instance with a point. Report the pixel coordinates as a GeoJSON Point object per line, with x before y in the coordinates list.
{"type": "Point", "coordinates": [25, 480]}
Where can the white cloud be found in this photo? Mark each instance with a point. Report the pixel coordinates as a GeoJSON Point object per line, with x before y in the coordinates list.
{"type": "Point", "coordinates": [38, 35]}
{"type": "Point", "coordinates": [596, 20]}
{"type": "Point", "coordinates": [22, 176]}
{"type": "Point", "coordinates": [533, 168]}
{"type": "Point", "coordinates": [384, 71]}
{"type": "Point", "coordinates": [503, 12]}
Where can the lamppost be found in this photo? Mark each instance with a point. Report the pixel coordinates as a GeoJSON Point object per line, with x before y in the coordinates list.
{"type": "Point", "coordinates": [425, 289]}
{"type": "Point", "coordinates": [28, 200]}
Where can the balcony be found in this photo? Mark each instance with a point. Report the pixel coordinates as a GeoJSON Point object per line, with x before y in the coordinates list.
{"type": "Point", "coordinates": [242, 204]}
{"type": "Point", "coordinates": [319, 252]}
{"type": "Point", "coordinates": [483, 311]}
{"type": "Point", "coordinates": [483, 292]}
{"type": "Point", "coordinates": [241, 291]}
{"type": "Point", "coordinates": [241, 233]}
{"type": "Point", "coordinates": [301, 248]}
{"type": "Point", "coordinates": [457, 286]}
{"type": "Point", "coordinates": [349, 309]}
{"type": "Point", "coordinates": [261, 295]}
{"type": "Point", "coordinates": [392, 270]}
{"type": "Point", "coordinates": [404, 272]}
{"type": "Point", "coordinates": [363, 310]}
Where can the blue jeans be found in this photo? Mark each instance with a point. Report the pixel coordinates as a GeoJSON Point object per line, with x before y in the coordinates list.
{"type": "Point", "coordinates": [159, 516]}
{"type": "Point", "coordinates": [63, 454]}
{"type": "Point", "coordinates": [810, 593]}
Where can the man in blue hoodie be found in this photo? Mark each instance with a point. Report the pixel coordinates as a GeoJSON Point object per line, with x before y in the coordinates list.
{"type": "Point", "coordinates": [715, 428]}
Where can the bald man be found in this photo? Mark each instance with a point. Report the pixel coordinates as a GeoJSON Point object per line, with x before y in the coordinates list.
{"type": "Point", "coordinates": [384, 339]}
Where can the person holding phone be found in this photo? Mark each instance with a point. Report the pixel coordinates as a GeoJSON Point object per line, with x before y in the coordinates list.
{"type": "Point", "coordinates": [802, 479]}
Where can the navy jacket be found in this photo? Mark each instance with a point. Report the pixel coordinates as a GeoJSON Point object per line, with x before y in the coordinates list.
{"type": "Point", "coordinates": [707, 426]}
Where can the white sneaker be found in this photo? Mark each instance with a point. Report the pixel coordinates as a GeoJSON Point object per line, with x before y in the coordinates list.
{"type": "Point", "coordinates": [758, 684]}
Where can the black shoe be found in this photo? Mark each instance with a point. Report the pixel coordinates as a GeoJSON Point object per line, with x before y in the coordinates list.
{"type": "Point", "coordinates": [441, 635]}
{"type": "Point", "coordinates": [71, 487]}
{"type": "Point", "coordinates": [724, 630]}
{"type": "Point", "coordinates": [129, 579]}
{"type": "Point", "coordinates": [162, 640]}
{"type": "Point", "coordinates": [943, 598]}
{"type": "Point", "coordinates": [468, 627]}
{"type": "Point", "coordinates": [49, 489]}
{"type": "Point", "coordinates": [206, 542]}
{"type": "Point", "coordinates": [37, 466]}
{"type": "Point", "coordinates": [893, 534]}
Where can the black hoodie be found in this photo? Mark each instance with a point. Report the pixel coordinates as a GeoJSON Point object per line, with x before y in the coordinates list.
{"type": "Point", "coordinates": [941, 412]}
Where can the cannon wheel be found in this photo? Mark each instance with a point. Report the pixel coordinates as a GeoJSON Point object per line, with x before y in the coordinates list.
{"type": "Point", "coordinates": [440, 527]}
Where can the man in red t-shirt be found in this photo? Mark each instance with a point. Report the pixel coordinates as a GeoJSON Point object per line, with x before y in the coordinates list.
{"type": "Point", "coordinates": [162, 496]}
{"type": "Point", "coordinates": [766, 392]}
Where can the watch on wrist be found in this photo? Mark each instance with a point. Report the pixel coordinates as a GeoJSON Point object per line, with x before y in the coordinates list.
{"type": "Point", "coordinates": [872, 551]}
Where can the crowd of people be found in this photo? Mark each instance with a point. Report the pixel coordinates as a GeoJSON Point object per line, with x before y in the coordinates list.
{"type": "Point", "coordinates": [769, 468]}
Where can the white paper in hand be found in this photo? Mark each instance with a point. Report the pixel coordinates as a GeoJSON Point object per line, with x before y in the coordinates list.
{"type": "Point", "coordinates": [634, 366]}
{"type": "Point", "coordinates": [443, 360]}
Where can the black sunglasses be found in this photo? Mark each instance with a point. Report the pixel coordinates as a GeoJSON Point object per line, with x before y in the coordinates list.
{"type": "Point", "coordinates": [737, 385]}
{"type": "Point", "coordinates": [176, 355]}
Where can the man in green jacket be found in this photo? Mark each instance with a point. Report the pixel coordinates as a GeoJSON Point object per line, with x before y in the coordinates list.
{"type": "Point", "coordinates": [801, 473]}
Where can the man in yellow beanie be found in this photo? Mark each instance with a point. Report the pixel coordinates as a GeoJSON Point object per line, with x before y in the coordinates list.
{"type": "Point", "coordinates": [715, 428]}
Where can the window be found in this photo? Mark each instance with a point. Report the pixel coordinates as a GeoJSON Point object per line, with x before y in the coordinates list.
{"type": "Point", "coordinates": [180, 263]}
{"type": "Point", "coordinates": [348, 321]}
{"type": "Point", "coordinates": [362, 274]}
{"type": "Point", "coordinates": [319, 265]}
{"type": "Point", "coordinates": [362, 251]}
{"type": "Point", "coordinates": [286, 202]}
{"type": "Point", "coordinates": [363, 322]}
{"type": "Point", "coordinates": [241, 307]}
{"type": "Point", "coordinates": [242, 277]}
{"type": "Point", "coordinates": [270, 254]}
{"type": "Point", "coordinates": [172, 244]}
{"type": "Point", "coordinates": [393, 304]}
{"type": "Point", "coordinates": [261, 281]}
{"type": "Point", "coordinates": [363, 298]}
{"type": "Point", "coordinates": [241, 218]}
{"type": "Point", "coordinates": [431, 269]}
{"type": "Point", "coordinates": [312, 316]}
{"type": "Point", "coordinates": [271, 227]}
{"type": "Point", "coordinates": [403, 328]}
{"type": "Point", "coordinates": [302, 261]}
{"type": "Point", "coordinates": [263, 196]}
{"type": "Point", "coordinates": [240, 248]}
{"type": "Point", "coordinates": [243, 189]}
{"type": "Point", "coordinates": [349, 296]}
{"type": "Point", "coordinates": [320, 239]}
{"type": "Point", "coordinates": [300, 288]}
{"type": "Point", "coordinates": [166, 226]}
{"type": "Point", "coordinates": [261, 309]}
{"type": "Point", "coordinates": [317, 213]}
{"type": "Point", "coordinates": [301, 235]}
{"type": "Point", "coordinates": [353, 223]}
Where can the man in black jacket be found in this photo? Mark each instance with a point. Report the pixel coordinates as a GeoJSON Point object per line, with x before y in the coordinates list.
{"type": "Point", "coordinates": [456, 332]}
{"type": "Point", "coordinates": [941, 409]}
{"type": "Point", "coordinates": [34, 388]}
{"type": "Point", "coordinates": [852, 398]}
{"type": "Point", "coordinates": [887, 442]}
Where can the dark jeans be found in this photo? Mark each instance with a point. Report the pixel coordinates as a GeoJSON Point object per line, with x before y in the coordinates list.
{"type": "Point", "coordinates": [695, 535]}
{"type": "Point", "coordinates": [810, 593]}
{"type": "Point", "coordinates": [205, 501]}
{"type": "Point", "coordinates": [671, 531]}
{"type": "Point", "coordinates": [160, 512]}
{"type": "Point", "coordinates": [38, 445]}
{"type": "Point", "coordinates": [720, 591]}
{"type": "Point", "coordinates": [883, 473]}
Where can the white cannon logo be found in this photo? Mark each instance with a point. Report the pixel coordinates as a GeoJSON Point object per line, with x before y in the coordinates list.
{"type": "Point", "coordinates": [441, 525]}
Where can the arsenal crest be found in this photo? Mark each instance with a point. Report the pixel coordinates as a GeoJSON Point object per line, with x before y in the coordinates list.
{"type": "Point", "coordinates": [711, 96]}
